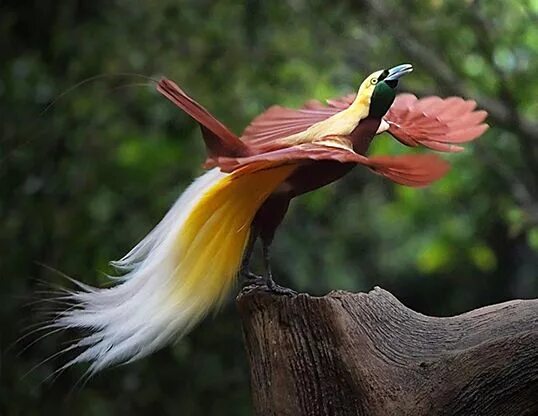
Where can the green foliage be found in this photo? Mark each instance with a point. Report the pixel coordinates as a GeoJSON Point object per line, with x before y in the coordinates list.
{"type": "Point", "coordinates": [84, 181]}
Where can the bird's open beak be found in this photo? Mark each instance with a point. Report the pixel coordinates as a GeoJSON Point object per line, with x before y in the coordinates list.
{"type": "Point", "coordinates": [398, 71]}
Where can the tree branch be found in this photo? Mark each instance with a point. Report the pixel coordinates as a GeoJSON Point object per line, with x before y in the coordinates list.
{"type": "Point", "coordinates": [367, 354]}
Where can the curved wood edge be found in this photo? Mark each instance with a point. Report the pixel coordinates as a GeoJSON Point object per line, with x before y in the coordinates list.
{"type": "Point", "coordinates": [367, 354]}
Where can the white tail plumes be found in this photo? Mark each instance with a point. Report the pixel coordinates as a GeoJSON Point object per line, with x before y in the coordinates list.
{"type": "Point", "coordinates": [174, 276]}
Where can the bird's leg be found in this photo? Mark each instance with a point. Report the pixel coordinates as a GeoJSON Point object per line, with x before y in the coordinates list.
{"type": "Point", "coordinates": [245, 273]}
{"type": "Point", "coordinates": [270, 283]}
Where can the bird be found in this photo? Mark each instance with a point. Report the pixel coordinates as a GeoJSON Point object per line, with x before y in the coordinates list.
{"type": "Point", "coordinates": [187, 265]}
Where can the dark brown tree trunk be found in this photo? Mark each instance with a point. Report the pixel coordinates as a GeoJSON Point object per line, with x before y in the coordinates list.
{"type": "Point", "coordinates": [367, 354]}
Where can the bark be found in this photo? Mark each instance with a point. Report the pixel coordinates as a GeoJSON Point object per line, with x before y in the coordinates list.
{"type": "Point", "coordinates": [367, 354]}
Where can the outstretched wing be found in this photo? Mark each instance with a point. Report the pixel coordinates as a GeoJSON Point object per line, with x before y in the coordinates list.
{"type": "Point", "coordinates": [414, 170]}
{"type": "Point", "coordinates": [218, 139]}
{"type": "Point", "coordinates": [436, 123]}
{"type": "Point", "coordinates": [278, 122]}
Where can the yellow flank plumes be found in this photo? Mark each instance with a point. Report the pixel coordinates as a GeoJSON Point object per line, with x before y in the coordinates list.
{"type": "Point", "coordinates": [212, 241]}
{"type": "Point", "coordinates": [177, 274]}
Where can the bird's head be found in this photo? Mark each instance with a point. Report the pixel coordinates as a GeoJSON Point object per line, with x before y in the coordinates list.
{"type": "Point", "coordinates": [378, 90]}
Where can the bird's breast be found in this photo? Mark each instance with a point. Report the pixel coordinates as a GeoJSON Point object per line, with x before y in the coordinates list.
{"type": "Point", "coordinates": [363, 133]}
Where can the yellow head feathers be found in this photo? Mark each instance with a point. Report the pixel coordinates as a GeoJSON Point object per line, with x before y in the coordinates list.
{"type": "Point", "coordinates": [367, 88]}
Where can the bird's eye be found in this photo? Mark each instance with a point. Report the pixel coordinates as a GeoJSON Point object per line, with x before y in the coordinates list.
{"type": "Point", "coordinates": [374, 81]}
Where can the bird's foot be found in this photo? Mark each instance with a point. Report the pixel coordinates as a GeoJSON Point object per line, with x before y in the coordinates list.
{"type": "Point", "coordinates": [253, 280]}
{"type": "Point", "coordinates": [250, 278]}
{"type": "Point", "coordinates": [279, 290]}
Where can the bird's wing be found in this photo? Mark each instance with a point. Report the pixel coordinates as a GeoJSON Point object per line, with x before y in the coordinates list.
{"type": "Point", "coordinates": [414, 170]}
{"type": "Point", "coordinates": [437, 123]}
{"type": "Point", "coordinates": [278, 122]}
{"type": "Point", "coordinates": [218, 138]}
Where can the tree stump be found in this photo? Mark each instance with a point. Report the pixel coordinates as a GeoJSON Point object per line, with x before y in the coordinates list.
{"type": "Point", "coordinates": [367, 354]}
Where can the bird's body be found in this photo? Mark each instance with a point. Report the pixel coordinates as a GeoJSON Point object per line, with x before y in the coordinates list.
{"type": "Point", "coordinates": [310, 176]}
{"type": "Point", "coordinates": [339, 124]}
{"type": "Point", "coordinates": [188, 263]}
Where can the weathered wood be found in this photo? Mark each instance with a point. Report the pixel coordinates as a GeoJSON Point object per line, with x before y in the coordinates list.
{"type": "Point", "coordinates": [367, 354]}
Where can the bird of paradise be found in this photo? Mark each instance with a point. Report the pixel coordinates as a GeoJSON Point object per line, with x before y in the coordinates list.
{"type": "Point", "coordinates": [187, 265]}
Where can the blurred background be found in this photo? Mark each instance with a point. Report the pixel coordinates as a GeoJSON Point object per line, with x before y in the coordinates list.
{"type": "Point", "coordinates": [84, 181]}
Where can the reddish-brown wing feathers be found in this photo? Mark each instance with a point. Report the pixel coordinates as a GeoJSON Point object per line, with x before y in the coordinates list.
{"type": "Point", "coordinates": [279, 122]}
{"type": "Point", "coordinates": [411, 170]}
{"type": "Point", "coordinates": [218, 139]}
{"type": "Point", "coordinates": [414, 170]}
{"type": "Point", "coordinates": [436, 123]}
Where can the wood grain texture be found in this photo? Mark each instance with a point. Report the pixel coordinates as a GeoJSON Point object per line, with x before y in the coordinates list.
{"type": "Point", "coordinates": [367, 354]}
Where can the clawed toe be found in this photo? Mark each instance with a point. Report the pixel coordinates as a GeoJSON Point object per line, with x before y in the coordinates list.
{"type": "Point", "coordinates": [281, 290]}
{"type": "Point", "coordinates": [266, 284]}
{"type": "Point", "coordinates": [250, 278]}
